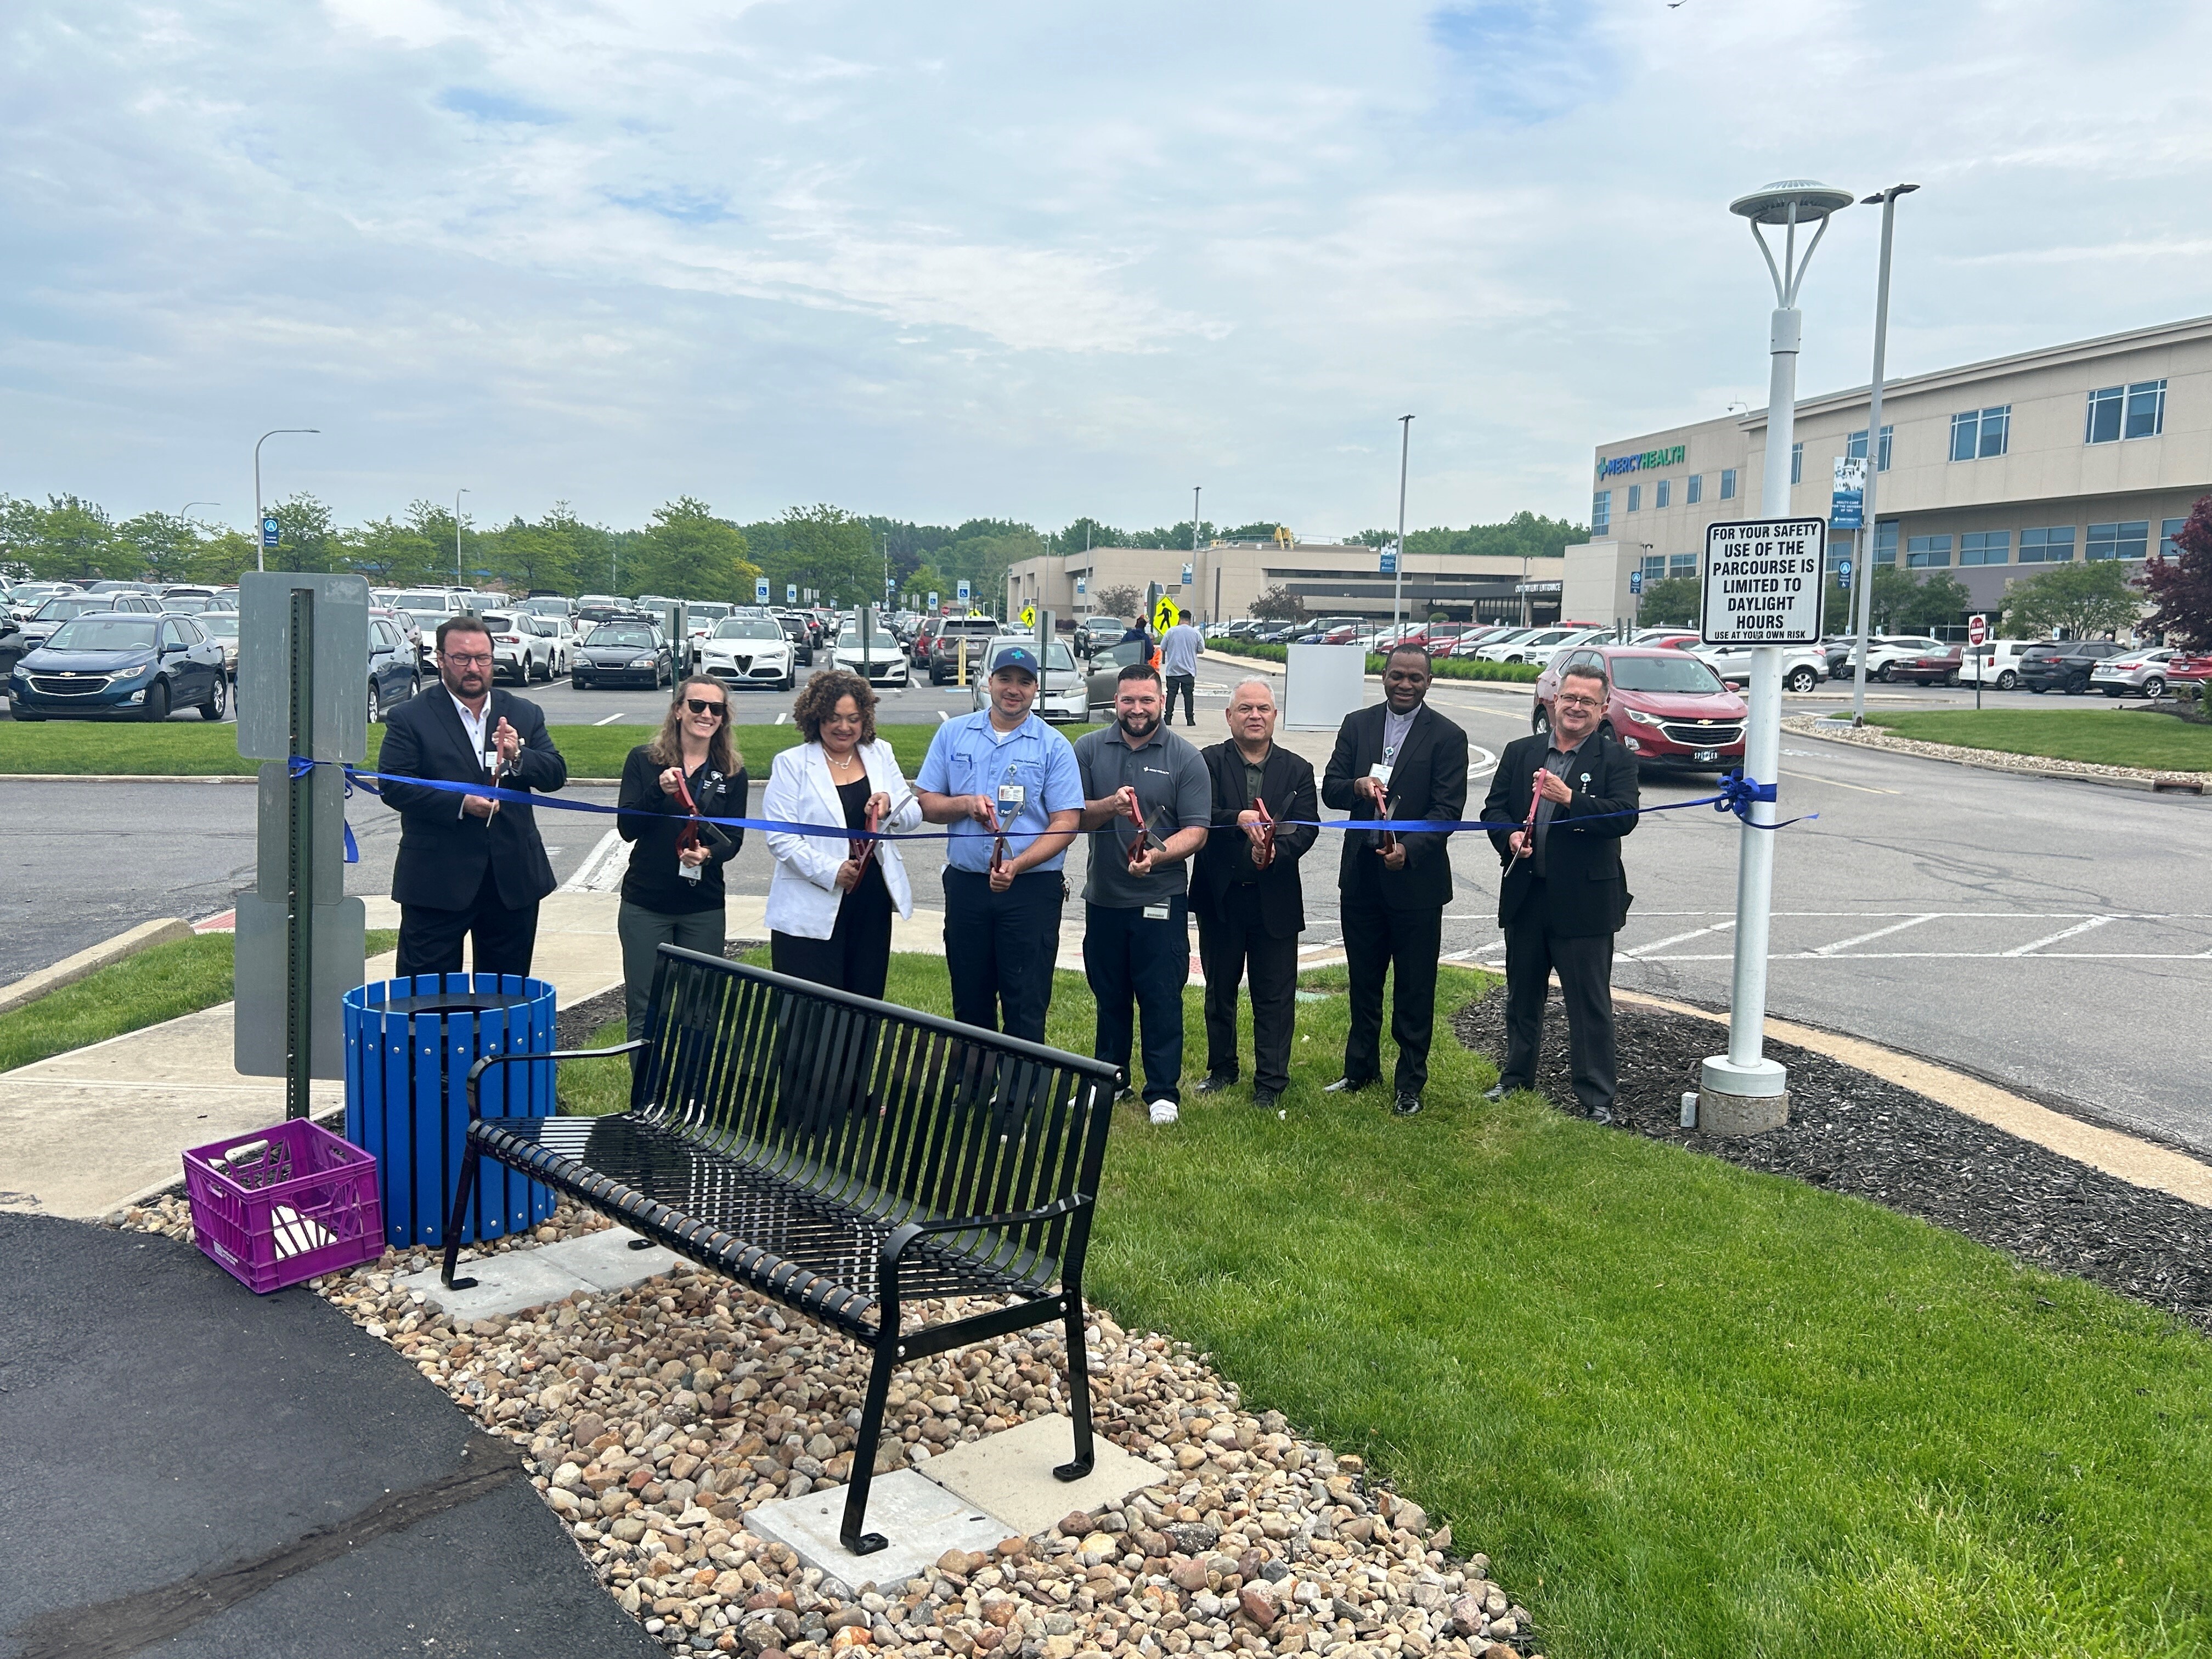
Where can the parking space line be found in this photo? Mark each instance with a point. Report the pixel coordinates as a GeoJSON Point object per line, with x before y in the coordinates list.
{"type": "Point", "coordinates": [603, 868]}
{"type": "Point", "coordinates": [1636, 954]}
{"type": "Point", "coordinates": [2065, 933]}
{"type": "Point", "coordinates": [1879, 932]}
{"type": "Point", "coordinates": [1863, 788]}
{"type": "Point", "coordinates": [609, 720]}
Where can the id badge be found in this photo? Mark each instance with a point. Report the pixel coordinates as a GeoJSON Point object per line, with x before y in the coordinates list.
{"type": "Point", "coordinates": [1156, 913]}
{"type": "Point", "coordinates": [1011, 797]}
{"type": "Point", "coordinates": [689, 871]}
{"type": "Point", "coordinates": [1380, 773]}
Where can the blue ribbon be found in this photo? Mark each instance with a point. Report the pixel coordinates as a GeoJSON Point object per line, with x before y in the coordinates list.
{"type": "Point", "coordinates": [298, 767]}
{"type": "Point", "coordinates": [1736, 796]}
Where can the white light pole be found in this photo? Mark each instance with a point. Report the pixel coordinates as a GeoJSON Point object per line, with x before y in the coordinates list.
{"type": "Point", "coordinates": [1864, 573]}
{"type": "Point", "coordinates": [1754, 1088]}
{"type": "Point", "coordinates": [260, 554]}
{"type": "Point", "coordinates": [460, 581]}
{"type": "Point", "coordinates": [1397, 564]}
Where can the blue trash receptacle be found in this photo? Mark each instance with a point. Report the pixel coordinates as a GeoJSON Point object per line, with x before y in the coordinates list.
{"type": "Point", "coordinates": [409, 1043]}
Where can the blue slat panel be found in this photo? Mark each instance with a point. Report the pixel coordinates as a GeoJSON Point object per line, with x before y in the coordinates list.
{"type": "Point", "coordinates": [459, 1052]}
{"type": "Point", "coordinates": [500, 1187]}
{"type": "Point", "coordinates": [395, 1144]}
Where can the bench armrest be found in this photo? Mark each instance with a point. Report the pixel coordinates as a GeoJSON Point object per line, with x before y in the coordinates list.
{"type": "Point", "coordinates": [902, 1240]}
{"type": "Point", "coordinates": [476, 1071]}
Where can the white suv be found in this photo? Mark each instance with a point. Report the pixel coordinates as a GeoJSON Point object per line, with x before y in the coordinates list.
{"type": "Point", "coordinates": [1537, 648]}
{"type": "Point", "coordinates": [1803, 667]}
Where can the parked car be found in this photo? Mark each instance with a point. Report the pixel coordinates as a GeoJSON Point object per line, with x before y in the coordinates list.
{"type": "Point", "coordinates": [1282, 635]}
{"type": "Point", "coordinates": [1936, 667]}
{"type": "Point", "coordinates": [751, 650]}
{"type": "Point", "coordinates": [427, 607]}
{"type": "Point", "coordinates": [1106, 667]}
{"type": "Point", "coordinates": [393, 674]}
{"type": "Point", "coordinates": [623, 652]}
{"type": "Point", "coordinates": [798, 633]}
{"type": "Point", "coordinates": [1093, 632]}
{"type": "Point", "coordinates": [25, 598]}
{"type": "Point", "coordinates": [2188, 671]}
{"type": "Point", "coordinates": [1803, 667]}
{"type": "Point", "coordinates": [1062, 696]}
{"type": "Point", "coordinates": [1668, 707]}
{"type": "Point", "coordinates": [1538, 644]}
{"type": "Point", "coordinates": [42, 623]}
{"type": "Point", "coordinates": [879, 659]}
{"type": "Point", "coordinates": [1470, 644]}
{"type": "Point", "coordinates": [1341, 634]}
{"type": "Point", "coordinates": [2063, 664]}
{"type": "Point", "coordinates": [518, 650]}
{"type": "Point", "coordinates": [222, 627]}
{"type": "Point", "coordinates": [11, 643]}
{"type": "Point", "coordinates": [1885, 651]}
{"type": "Point", "coordinates": [945, 646]}
{"type": "Point", "coordinates": [120, 663]}
{"type": "Point", "coordinates": [1994, 663]}
{"type": "Point", "coordinates": [2138, 673]}
{"type": "Point", "coordinates": [555, 630]}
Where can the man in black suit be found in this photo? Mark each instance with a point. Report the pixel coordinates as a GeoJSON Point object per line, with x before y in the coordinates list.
{"type": "Point", "coordinates": [468, 864]}
{"type": "Point", "coordinates": [1246, 896]}
{"type": "Point", "coordinates": [1399, 759]}
{"type": "Point", "coordinates": [1564, 895]}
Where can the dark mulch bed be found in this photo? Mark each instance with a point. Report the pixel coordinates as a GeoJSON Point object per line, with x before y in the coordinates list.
{"type": "Point", "coordinates": [573, 1027]}
{"type": "Point", "coordinates": [1855, 1133]}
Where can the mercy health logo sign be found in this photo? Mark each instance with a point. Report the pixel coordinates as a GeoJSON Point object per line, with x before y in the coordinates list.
{"type": "Point", "coordinates": [1762, 582]}
{"type": "Point", "coordinates": [1649, 459]}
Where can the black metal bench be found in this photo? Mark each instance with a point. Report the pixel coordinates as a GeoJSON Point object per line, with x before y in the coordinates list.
{"type": "Point", "coordinates": [841, 1156]}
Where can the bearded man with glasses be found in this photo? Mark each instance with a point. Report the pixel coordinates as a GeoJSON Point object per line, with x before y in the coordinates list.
{"type": "Point", "coordinates": [470, 866]}
{"type": "Point", "coordinates": [1564, 895]}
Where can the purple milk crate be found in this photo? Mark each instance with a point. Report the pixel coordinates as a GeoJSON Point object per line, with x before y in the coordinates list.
{"type": "Point", "coordinates": [284, 1205]}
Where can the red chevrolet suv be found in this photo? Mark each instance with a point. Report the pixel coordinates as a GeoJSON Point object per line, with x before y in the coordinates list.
{"type": "Point", "coordinates": [1668, 707]}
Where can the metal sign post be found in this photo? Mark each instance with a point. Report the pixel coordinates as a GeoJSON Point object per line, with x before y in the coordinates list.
{"type": "Point", "coordinates": [1978, 634]}
{"type": "Point", "coordinates": [299, 862]}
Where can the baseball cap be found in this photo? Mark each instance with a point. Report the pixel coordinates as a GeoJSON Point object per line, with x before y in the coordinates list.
{"type": "Point", "coordinates": [1015, 656]}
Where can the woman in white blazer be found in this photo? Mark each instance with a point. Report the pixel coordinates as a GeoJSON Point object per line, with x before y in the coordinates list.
{"type": "Point", "coordinates": [829, 913]}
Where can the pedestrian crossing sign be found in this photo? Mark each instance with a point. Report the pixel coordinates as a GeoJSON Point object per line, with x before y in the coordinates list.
{"type": "Point", "coordinates": [1164, 615]}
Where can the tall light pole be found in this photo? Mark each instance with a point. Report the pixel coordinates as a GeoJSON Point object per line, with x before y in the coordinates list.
{"type": "Point", "coordinates": [189, 506]}
{"type": "Point", "coordinates": [260, 554]}
{"type": "Point", "coordinates": [1871, 525]}
{"type": "Point", "coordinates": [1397, 564]}
{"type": "Point", "coordinates": [460, 581]}
{"type": "Point", "coordinates": [1755, 1086]}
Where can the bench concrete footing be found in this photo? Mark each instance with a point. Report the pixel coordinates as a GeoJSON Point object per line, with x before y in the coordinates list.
{"type": "Point", "coordinates": [1011, 1473]}
{"type": "Point", "coordinates": [508, 1281]}
{"type": "Point", "coordinates": [921, 1518]}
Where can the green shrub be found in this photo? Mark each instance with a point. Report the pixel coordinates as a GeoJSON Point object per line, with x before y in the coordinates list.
{"type": "Point", "coordinates": [1443, 668]}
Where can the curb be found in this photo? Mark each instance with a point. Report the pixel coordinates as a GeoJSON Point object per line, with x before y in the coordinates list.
{"type": "Point", "coordinates": [1982, 760]}
{"type": "Point", "coordinates": [86, 963]}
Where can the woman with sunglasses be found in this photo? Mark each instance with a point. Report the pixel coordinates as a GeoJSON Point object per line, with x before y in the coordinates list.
{"type": "Point", "coordinates": [672, 894]}
{"type": "Point", "coordinates": [828, 907]}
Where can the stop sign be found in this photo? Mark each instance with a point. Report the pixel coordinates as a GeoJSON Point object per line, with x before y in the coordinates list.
{"type": "Point", "coordinates": [1978, 630]}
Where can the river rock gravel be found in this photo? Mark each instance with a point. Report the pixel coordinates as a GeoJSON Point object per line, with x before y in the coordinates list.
{"type": "Point", "coordinates": [654, 1419]}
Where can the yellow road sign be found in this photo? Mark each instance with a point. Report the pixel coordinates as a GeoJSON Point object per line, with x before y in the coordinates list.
{"type": "Point", "coordinates": [1029, 616]}
{"type": "Point", "coordinates": [1164, 615]}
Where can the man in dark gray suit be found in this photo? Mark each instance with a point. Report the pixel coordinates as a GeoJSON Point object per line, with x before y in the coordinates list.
{"type": "Point", "coordinates": [468, 864]}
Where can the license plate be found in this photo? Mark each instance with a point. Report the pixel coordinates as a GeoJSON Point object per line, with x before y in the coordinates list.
{"type": "Point", "coordinates": [1706, 754]}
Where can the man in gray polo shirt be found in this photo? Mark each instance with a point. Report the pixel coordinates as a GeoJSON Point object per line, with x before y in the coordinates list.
{"type": "Point", "coordinates": [1136, 935]}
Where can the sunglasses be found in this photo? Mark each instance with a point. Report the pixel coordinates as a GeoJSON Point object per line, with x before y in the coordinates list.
{"type": "Point", "coordinates": [700, 706]}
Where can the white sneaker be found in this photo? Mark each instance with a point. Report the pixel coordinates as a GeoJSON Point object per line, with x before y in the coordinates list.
{"type": "Point", "coordinates": [1163, 1111]}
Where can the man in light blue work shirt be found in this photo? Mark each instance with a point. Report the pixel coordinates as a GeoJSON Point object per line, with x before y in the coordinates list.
{"type": "Point", "coordinates": [1179, 664]}
{"type": "Point", "coordinates": [1008, 785]}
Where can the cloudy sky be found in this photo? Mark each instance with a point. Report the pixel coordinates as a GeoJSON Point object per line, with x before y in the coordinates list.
{"type": "Point", "coordinates": [941, 261]}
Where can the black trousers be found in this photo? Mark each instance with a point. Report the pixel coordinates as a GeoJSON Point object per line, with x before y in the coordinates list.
{"type": "Point", "coordinates": [999, 949]}
{"type": "Point", "coordinates": [1584, 965]}
{"type": "Point", "coordinates": [857, 955]}
{"type": "Point", "coordinates": [1234, 945]}
{"type": "Point", "coordinates": [1405, 946]}
{"type": "Point", "coordinates": [1133, 961]}
{"type": "Point", "coordinates": [430, 939]}
{"type": "Point", "coordinates": [1186, 684]}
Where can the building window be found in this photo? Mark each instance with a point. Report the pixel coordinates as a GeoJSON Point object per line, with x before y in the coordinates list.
{"type": "Point", "coordinates": [2130, 540]}
{"type": "Point", "coordinates": [1986, 547]}
{"type": "Point", "coordinates": [1682, 564]}
{"type": "Point", "coordinates": [2130, 411]}
{"type": "Point", "coordinates": [1979, 434]}
{"type": "Point", "coordinates": [1664, 488]}
{"type": "Point", "coordinates": [1727, 484]}
{"type": "Point", "coordinates": [2167, 530]}
{"type": "Point", "coordinates": [1854, 447]}
{"type": "Point", "coordinates": [1796, 464]}
{"type": "Point", "coordinates": [1927, 552]}
{"type": "Point", "coordinates": [1600, 512]}
{"type": "Point", "coordinates": [1885, 542]}
{"type": "Point", "coordinates": [1654, 567]}
{"type": "Point", "coordinates": [2053, 545]}
{"type": "Point", "coordinates": [1635, 498]}
{"type": "Point", "coordinates": [1696, 492]}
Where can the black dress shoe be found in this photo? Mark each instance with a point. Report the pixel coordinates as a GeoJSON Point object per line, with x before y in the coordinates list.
{"type": "Point", "coordinates": [1216, 1082]}
{"type": "Point", "coordinates": [1266, 1099]}
{"type": "Point", "coordinates": [1406, 1104]}
{"type": "Point", "coordinates": [1348, 1085]}
{"type": "Point", "coordinates": [1601, 1116]}
{"type": "Point", "coordinates": [1495, 1091]}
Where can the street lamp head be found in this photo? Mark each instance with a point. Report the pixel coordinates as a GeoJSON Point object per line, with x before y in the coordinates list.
{"type": "Point", "coordinates": [1774, 204]}
{"type": "Point", "coordinates": [1889, 195]}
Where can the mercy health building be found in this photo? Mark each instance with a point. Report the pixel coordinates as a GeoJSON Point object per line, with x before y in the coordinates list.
{"type": "Point", "coordinates": [1990, 472]}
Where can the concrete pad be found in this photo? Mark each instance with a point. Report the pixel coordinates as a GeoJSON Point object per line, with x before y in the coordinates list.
{"type": "Point", "coordinates": [921, 1518]}
{"type": "Point", "coordinates": [508, 1281]}
{"type": "Point", "coordinates": [1010, 1474]}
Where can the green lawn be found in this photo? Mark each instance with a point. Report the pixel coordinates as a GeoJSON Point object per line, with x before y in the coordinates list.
{"type": "Point", "coordinates": [165, 983]}
{"type": "Point", "coordinates": [2103, 737]}
{"type": "Point", "coordinates": [1690, 1410]}
{"type": "Point", "coordinates": [196, 750]}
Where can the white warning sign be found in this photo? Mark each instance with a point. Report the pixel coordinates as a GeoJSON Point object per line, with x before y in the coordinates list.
{"type": "Point", "coordinates": [1763, 583]}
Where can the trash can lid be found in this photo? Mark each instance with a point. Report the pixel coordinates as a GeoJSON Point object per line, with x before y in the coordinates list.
{"type": "Point", "coordinates": [459, 1002]}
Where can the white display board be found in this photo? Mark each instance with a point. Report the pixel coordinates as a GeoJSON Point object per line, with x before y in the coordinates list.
{"type": "Point", "coordinates": [1763, 583]}
{"type": "Point", "coordinates": [1322, 685]}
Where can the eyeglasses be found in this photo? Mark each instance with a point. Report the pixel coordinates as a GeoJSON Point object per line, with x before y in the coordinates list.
{"type": "Point", "coordinates": [461, 661]}
{"type": "Point", "coordinates": [700, 706]}
{"type": "Point", "coordinates": [1582, 703]}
